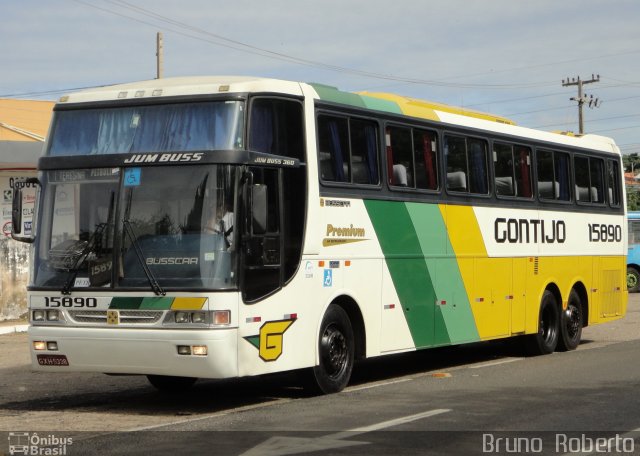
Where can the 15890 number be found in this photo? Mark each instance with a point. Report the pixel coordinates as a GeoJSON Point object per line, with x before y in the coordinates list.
{"type": "Point", "coordinates": [68, 301]}
{"type": "Point", "coordinates": [600, 232]}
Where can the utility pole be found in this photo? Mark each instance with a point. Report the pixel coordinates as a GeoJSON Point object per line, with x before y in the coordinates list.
{"type": "Point", "coordinates": [159, 56]}
{"type": "Point", "coordinates": [582, 98]}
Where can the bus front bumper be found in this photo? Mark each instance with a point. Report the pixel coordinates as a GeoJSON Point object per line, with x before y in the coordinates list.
{"type": "Point", "coordinates": [135, 351]}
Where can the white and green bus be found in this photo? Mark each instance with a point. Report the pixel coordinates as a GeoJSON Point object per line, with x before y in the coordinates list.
{"type": "Point", "coordinates": [224, 227]}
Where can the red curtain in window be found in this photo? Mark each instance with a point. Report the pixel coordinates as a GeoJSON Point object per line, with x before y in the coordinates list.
{"type": "Point", "coordinates": [525, 173]}
{"type": "Point", "coordinates": [428, 161]}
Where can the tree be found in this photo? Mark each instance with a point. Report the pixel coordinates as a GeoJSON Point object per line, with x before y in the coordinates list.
{"type": "Point", "coordinates": [633, 199]}
{"type": "Point", "coordinates": [631, 163]}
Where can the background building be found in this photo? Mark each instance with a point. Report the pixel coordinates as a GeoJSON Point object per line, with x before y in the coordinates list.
{"type": "Point", "coordinates": [23, 127]}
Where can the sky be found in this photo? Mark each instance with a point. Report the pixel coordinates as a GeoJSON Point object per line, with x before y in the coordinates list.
{"type": "Point", "coordinates": [507, 57]}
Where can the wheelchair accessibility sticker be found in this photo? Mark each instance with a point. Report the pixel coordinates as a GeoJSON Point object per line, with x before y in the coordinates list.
{"type": "Point", "coordinates": [132, 177]}
{"type": "Point", "coordinates": [328, 278]}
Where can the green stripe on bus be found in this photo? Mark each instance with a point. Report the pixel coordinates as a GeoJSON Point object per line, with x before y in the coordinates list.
{"type": "Point", "coordinates": [328, 93]}
{"type": "Point", "coordinates": [157, 303]}
{"type": "Point", "coordinates": [424, 271]}
{"type": "Point", "coordinates": [456, 313]}
{"type": "Point", "coordinates": [131, 303]}
{"type": "Point", "coordinates": [409, 272]}
{"type": "Point", "coordinates": [125, 303]}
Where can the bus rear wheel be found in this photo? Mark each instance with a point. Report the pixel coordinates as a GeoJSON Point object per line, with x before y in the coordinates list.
{"type": "Point", "coordinates": [633, 279]}
{"type": "Point", "coordinates": [169, 384]}
{"type": "Point", "coordinates": [545, 340]}
{"type": "Point", "coordinates": [336, 348]}
{"type": "Point", "coordinates": [571, 324]}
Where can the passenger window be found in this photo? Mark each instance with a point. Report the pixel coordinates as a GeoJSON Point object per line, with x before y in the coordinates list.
{"type": "Point", "coordinates": [348, 150]}
{"type": "Point", "coordinates": [553, 175]}
{"type": "Point", "coordinates": [399, 156]}
{"type": "Point", "coordinates": [411, 158]}
{"type": "Point", "coordinates": [466, 164]}
{"type": "Point", "coordinates": [589, 177]}
{"type": "Point", "coordinates": [364, 152]}
{"type": "Point", "coordinates": [512, 167]}
{"type": "Point", "coordinates": [333, 141]}
{"type": "Point", "coordinates": [613, 183]}
{"type": "Point", "coordinates": [426, 169]}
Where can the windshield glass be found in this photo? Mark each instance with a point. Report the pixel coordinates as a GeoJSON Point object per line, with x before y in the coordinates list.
{"type": "Point", "coordinates": [174, 226]}
{"type": "Point", "coordinates": [210, 125]}
{"type": "Point", "coordinates": [77, 234]}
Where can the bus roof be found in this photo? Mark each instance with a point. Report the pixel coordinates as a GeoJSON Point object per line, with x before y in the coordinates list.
{"type": "Point", "coordinates": [385, 102]}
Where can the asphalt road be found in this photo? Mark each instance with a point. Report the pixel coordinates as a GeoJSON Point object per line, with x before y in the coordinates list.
{"type": "Point", "coordinates": [473, 399]}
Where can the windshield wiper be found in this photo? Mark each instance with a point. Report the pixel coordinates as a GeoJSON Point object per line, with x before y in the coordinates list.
{"type": "Point", "coordinates": [84, 254]}
{"type": "Point", "coordinates": [157, 289]}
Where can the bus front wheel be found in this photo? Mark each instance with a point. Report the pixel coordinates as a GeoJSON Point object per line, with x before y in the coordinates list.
{"type": "Point", "coordinates": [545, 340]}
{"type": "Point", "coordinates": [336, 348]}
{"type": "Point", "coordinates": [633, 279]}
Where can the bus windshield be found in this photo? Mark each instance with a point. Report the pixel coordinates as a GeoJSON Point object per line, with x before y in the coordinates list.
{"type": "Point", "coordinates": [128, 228]}
{"type": "Point", "coordinates": [210, 125]}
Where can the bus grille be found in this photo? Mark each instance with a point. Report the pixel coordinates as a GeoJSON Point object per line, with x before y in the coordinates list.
{"type": "Point", "coordinates": [148, 317]}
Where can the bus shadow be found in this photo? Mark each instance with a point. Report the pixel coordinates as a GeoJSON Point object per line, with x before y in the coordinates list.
{"type": "Point", "coordinates": [132, 395]}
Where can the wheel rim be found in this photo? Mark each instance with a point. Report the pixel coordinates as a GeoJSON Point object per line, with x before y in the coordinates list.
{"type": "Point", "coordinates": [333, 346]}
{"type": "Point", "coordinates": [632, 280]}
{"type": "Point", "coordinates": [548, 325]}
{"type": "Point", "coordinates": [573, 321]}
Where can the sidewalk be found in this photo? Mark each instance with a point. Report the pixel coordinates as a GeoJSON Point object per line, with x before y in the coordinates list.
{"type": "Point", "coordinates": [13, 326]}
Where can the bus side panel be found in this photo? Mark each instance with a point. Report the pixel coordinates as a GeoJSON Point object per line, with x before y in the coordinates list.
{"type": "Point", "coordinates": [424, 272]}
{"type": "Point", "coordinates": [610, 297]}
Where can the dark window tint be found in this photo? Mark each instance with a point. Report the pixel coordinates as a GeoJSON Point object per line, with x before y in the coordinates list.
{"type": "Point", "coordinates": [348, 150]}
{"type": "Point", "coordinates": [589, 178]}
{"type": "Point", "coordinates": [613, 182]}
{"type": "Point", "coordinates": [411, 158]}
{"type": "Point", "coordinates": [553, 175]}
{"type": "Point", "coordinates": [512, 166]}
{"type": "Point", "coordinates": [466, 164]}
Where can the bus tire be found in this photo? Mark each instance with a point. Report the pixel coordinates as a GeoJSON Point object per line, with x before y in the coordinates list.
{"type": "Point", "coordinates": [336, 349]}
{"type": "Point", "coordinates": [545, 340]}
{"type": "Point", "coordinates": [633, 279]}
{"type": "Point", "coordinates": [571, 321]}
{"type": "Point", "coordinates": [170, 384]}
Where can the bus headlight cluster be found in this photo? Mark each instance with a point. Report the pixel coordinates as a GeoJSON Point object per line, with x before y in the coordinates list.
{"type": "Point", "coordinates": [42, 315]}
{"type": "Point", "coordinates": [190, 317]}
{"type": "Point", "coordinates": [199, 317]}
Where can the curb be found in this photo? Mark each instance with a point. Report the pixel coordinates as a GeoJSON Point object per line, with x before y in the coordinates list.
{"type": "Point", "coordinates": [13, 329]}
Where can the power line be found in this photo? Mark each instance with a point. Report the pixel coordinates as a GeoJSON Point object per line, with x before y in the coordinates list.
{"type": "Point", "coordinates": [244, 47]}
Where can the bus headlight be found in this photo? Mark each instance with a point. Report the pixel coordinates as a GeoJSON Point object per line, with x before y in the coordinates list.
{"type": "Point", "coordinates": [198, 317]}
{"type": "Point", "coordinates": [53, 315]}
{"type": "Point", "coordinates": [182, 317]}
{"type": "Point", "coordinates": [38, 315]}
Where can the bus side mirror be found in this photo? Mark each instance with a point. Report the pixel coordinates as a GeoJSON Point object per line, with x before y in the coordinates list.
{"type": "Point", "coordinates": [258, 209]}
{"type": "Point", "coordinates": [16, 213]}
{"type": "Point", "coordinates": [20, 220]}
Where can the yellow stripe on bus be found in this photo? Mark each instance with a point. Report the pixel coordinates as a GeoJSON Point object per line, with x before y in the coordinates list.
{"type": "Point", "coordinates": [188, 303]}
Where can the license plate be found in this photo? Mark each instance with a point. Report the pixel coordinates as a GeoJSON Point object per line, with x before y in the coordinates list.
{"type": "Point", "coordinates": [53, 360]}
